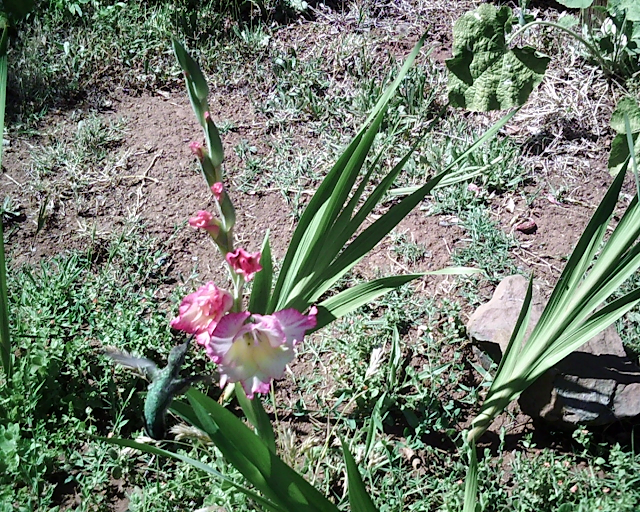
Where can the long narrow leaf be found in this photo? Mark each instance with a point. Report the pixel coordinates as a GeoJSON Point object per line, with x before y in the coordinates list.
{"type": "Point", "coordinates": [384, 99]}
{"type": "Point", "coordinates": [321, 229]}
{"type": "Point", "coordinates": [343, 234]}
{"type": "Point", "coordinates": [298, 254]}
{"type": "Point", "coordinates": [251, 456]}
{"type": "Point", "coordinates": [471, 482]}
{"type": "Point", "coordinates": [598, 322]}
{"type": "Point", "coordinates": [582, 254]}
{"type": "Point", "coordinates": [363, 243]}
{"type": "Point", "coordinates": [351, 299]}
{"type": "Point", "coordinates": [5, 335]}
{"type": "Point", "coordinates": [257, 416]}
{"type": "Point", "coordinates": [264, 503]}
{"type": "Point", "coordinates": [565, 323]}
{"type": "Point", "coordinates": [196, 84]}
{"type": "Point", "coordinates": [262, 283]}
{"type": "Point", "coordinates": [310, 212]}
{"type": "Point", "coordinates": [498, 396]}
{"type": "Point", "coordinates": [359, 499]}
{"type": "Point", "coordinates": [311, 289]}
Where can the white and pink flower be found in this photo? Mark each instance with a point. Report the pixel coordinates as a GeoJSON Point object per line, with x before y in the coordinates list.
{"type": "Point", "coordinates": [200, 311]}
{"type": "Point", "coordinates": [244, 263]}
{"type": "Point", "coordinates": [254, 350]}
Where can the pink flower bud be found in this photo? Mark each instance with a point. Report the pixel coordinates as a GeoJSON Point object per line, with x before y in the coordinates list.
{"type": "Point", "coordinates": [197, 149]}
{"type": "Point", "coordinates": [244, 263]}
{"type": "Point", "coordinates": [207, 116]}
{"type": "Point", "coordinates": [204, 220]}
{"type": "Point", "coordinates": [217, 189]}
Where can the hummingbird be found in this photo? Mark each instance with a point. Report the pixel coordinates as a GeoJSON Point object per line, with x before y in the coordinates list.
{"type": "Point", "coordinates": [164, 384]}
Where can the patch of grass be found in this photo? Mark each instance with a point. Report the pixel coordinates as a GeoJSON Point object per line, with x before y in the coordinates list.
{"type": "Point", "coordinates": [76, 167]}
{"type": "Point", "coordinates": [58, 57]}
{"type": "Point", "coordinates": [64, 390]}
{"type": "Point", "coordinates": [499, 161]}
{"type": "Point", "coordinates": [488, 247]}
{"type": "Point", "coordinates": [407, 249]}
{"type": "Point", "coordinates": [550, 481]}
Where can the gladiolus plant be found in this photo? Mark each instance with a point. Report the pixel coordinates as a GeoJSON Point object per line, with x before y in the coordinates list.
{"type": "Point", "coordinates": [252, 342]}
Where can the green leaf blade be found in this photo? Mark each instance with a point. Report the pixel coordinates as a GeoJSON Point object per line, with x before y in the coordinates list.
{"type": "Point", "coordinates": [264, 503]}
{"type": "Point", "coordinates": [253, 458]}
{"type": "Point", "coordinates": [261, 291]}
{"type": "Point", "coordinates": [359, 499]}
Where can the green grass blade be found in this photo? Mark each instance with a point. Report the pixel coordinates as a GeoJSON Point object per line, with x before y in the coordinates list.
{"type": "Point", "coordinates": [334, 190]}
{"type": "Point", "coordinates": [471, 481]}
{"type": "Point", "coordinates": [257, 416]}
{"type": "Point", "coordinates": [359, 498]}
{"type": "Point", "coordinates": [5, 336]}
{"type": "Point", "coordinates": [264, 503]}
{"type": "Point", "coordinates": [351, 299]}
{"type": "Point", "coordinates": [500, 395]}
{"type": "Point", "coordinates": [262, 283]}
{"type": "Point", "coordinates": [257, 463]}
{"type": "Point", "coordinates": [308, 253]}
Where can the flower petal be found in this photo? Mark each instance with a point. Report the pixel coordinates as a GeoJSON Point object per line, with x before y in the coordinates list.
{"type": "Point", "coordinates": [222, 338]}
{"type": "Point", "coordinates": [295, 324]}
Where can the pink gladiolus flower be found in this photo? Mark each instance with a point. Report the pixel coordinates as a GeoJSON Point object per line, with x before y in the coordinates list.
{"type": "Point", "coordinates": [197, 149]}
{"type": "Point", "coordinates": [204, 220]}
{"type": "Point", "coordinates": [244, 263]}
{"type": "Point", "coordinates": [256, 352]}
{"type": "Point", "coordinates": [217, 189]}
{"type": "Point", "coordinates": [201, 311]}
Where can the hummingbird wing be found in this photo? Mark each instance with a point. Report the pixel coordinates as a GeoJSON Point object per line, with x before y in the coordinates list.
{"type": "Point", "coordinates": [141, 364]}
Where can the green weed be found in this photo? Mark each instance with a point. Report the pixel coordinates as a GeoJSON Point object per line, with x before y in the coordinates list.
{"type": "Point", "coordinates": [64, 390]}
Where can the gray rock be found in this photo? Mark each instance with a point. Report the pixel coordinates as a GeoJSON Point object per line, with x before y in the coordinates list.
{"type": "Point", "coordinates": [595, 385]}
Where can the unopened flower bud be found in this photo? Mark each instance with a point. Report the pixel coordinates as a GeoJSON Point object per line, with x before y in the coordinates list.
{"type": "Point", "coordinates": [204, 220]}
{"type": "Point", "coordinates": [217, 189]}
{"type": "Point", "coordinates": [197, 149]}
{"type": "Point", "coordinates": [244, 263]}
